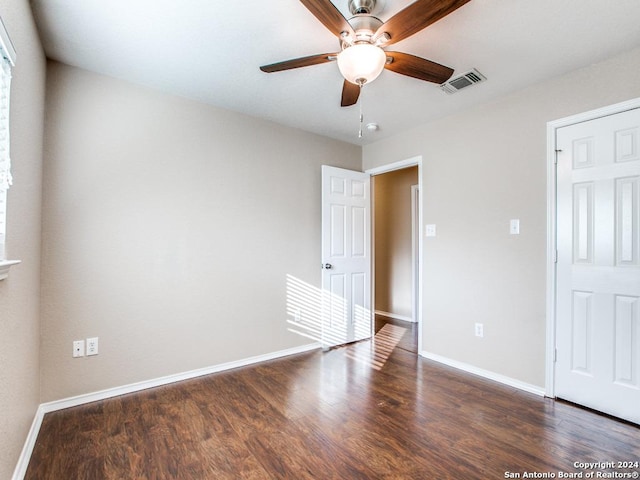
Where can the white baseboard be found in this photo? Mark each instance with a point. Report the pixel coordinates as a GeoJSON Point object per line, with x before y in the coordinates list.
{"type": "Point", "coordinates": [44, 408]}
{"type": "Point", "coordinates": [496, 377]}
{"type": "Point", "coordinates": [395, 316]}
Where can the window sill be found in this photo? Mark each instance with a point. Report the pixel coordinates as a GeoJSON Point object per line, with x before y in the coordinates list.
{"type": "Point", "coordinates": [4, 267]}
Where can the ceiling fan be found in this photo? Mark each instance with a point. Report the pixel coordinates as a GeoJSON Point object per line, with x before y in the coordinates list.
{"type": "Point", "coordinates": [363, 39]}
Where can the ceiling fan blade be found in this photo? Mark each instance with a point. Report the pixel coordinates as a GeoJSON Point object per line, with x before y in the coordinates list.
{"type": "Point", "coordinates": [415, 17]}
{"type": "Point", "coordinates": [329, 16]}
{"type": "Point", "coordinates": [350, 94]}
{"type": "Point", "coordinates": [299, 62]}
{"type": "Point", "coordinates": [416, 67]}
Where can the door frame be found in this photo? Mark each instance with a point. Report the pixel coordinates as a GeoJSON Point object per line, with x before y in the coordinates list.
{"type": "Point", "coordinates": [415, 253]}
{"type": "Point", "coordinates": [390, 167]}
{"type": "Point", "coordinates": [552, 254]}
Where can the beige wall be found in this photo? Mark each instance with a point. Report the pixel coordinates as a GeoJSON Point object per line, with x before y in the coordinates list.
{"type": "Point", "coordinates": [482, 168]}
{"type": "Point", "coordinates": [169, 229]}
{"type": "Point", "coordinates": [19, 294]}
{"type": "Point", "coordinates": [392, 221]}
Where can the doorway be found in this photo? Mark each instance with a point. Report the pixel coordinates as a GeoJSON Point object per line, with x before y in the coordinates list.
{"type": "Point", "coordinates": [395, 231]}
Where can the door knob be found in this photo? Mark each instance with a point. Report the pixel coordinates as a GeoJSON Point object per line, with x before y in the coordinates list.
{"type": "Point", "coordinates": [327, 266]}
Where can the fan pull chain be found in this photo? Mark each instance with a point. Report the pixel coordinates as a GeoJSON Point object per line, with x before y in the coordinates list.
{"type": "Point", "coordinates": [361, 116]}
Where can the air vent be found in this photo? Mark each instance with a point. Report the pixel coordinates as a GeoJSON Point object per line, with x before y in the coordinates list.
{"type": "Point", "coordinates": [463, 81]}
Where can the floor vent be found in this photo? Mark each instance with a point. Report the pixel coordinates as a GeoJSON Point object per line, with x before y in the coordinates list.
{"type": "Point", "coordinates": [463, 81]}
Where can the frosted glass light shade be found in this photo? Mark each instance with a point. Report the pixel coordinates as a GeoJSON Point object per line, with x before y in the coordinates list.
{"type": "Point", "coordinates": [361, 63]}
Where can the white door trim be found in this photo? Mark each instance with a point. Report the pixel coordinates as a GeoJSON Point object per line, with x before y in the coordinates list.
{"type": "Point", "coordinates": [409, 162]}
{"type": "Point", "coordinates": [552, 127]}
{"type": "Point", "coordinates": [415, 254]}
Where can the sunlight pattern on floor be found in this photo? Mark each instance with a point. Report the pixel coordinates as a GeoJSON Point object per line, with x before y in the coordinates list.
{"type": "Point", "coordinates": [376, 352]}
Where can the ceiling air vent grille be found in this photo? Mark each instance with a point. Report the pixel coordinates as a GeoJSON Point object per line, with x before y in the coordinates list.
{"type": "Point", "coordinates": [463, 81]}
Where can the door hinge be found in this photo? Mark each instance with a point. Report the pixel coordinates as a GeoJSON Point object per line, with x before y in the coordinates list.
{"type": "Point", "coordinates": [555, 256]}
{"type": "Point", "coordinates": [555, 355]}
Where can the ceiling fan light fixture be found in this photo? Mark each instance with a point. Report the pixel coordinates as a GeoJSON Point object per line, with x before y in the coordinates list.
{"type": "Point", "coordinates": [361, 63]}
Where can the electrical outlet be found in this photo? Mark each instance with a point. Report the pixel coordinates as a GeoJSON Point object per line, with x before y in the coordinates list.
{"type": "Point", "coordinates": [92, 346]}
{"type": "Point", "coordinates": [78, 348]}
{"type": "Point", "coordinates": [479, 330]}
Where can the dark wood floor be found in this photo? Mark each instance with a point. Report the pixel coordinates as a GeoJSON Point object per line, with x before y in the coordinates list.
{"type": "Point", "coordinates": [365, 411]}
{"type": "Point", "coordinates": [409, 340]}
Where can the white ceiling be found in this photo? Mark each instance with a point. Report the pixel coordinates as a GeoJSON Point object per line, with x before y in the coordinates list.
{"type": "Point", "coordinates": [210, 51]}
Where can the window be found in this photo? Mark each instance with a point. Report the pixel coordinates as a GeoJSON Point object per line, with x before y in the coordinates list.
{"type": "Point", "coordinates": [7, 61]}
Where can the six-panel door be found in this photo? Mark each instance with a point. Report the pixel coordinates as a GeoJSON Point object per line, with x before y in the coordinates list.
{"type": "Point", "coordinates": [598, 271]}
{"type": "Point", "coordinates": [346, 256]}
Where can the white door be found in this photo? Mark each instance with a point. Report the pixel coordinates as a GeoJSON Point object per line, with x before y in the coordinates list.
{"type": "Point", "coordinates": [598, 271]}
{"type": "Point", "coordinates": [346, 256]}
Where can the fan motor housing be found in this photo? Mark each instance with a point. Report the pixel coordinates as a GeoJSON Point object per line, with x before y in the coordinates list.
{"type": "Point", "coordinates": [364, 27]}
{"type": "Point", "coordinates": [365, 24]}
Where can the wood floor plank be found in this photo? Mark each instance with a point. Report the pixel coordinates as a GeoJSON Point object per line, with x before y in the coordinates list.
{"type": "Point", "coordinates": [363, 411]}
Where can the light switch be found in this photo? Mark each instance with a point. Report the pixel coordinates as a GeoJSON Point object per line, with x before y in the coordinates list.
{"type": "Point", "coordinates": [430, 230]}
{"type": "Point", "coordinates": [514, 227]}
